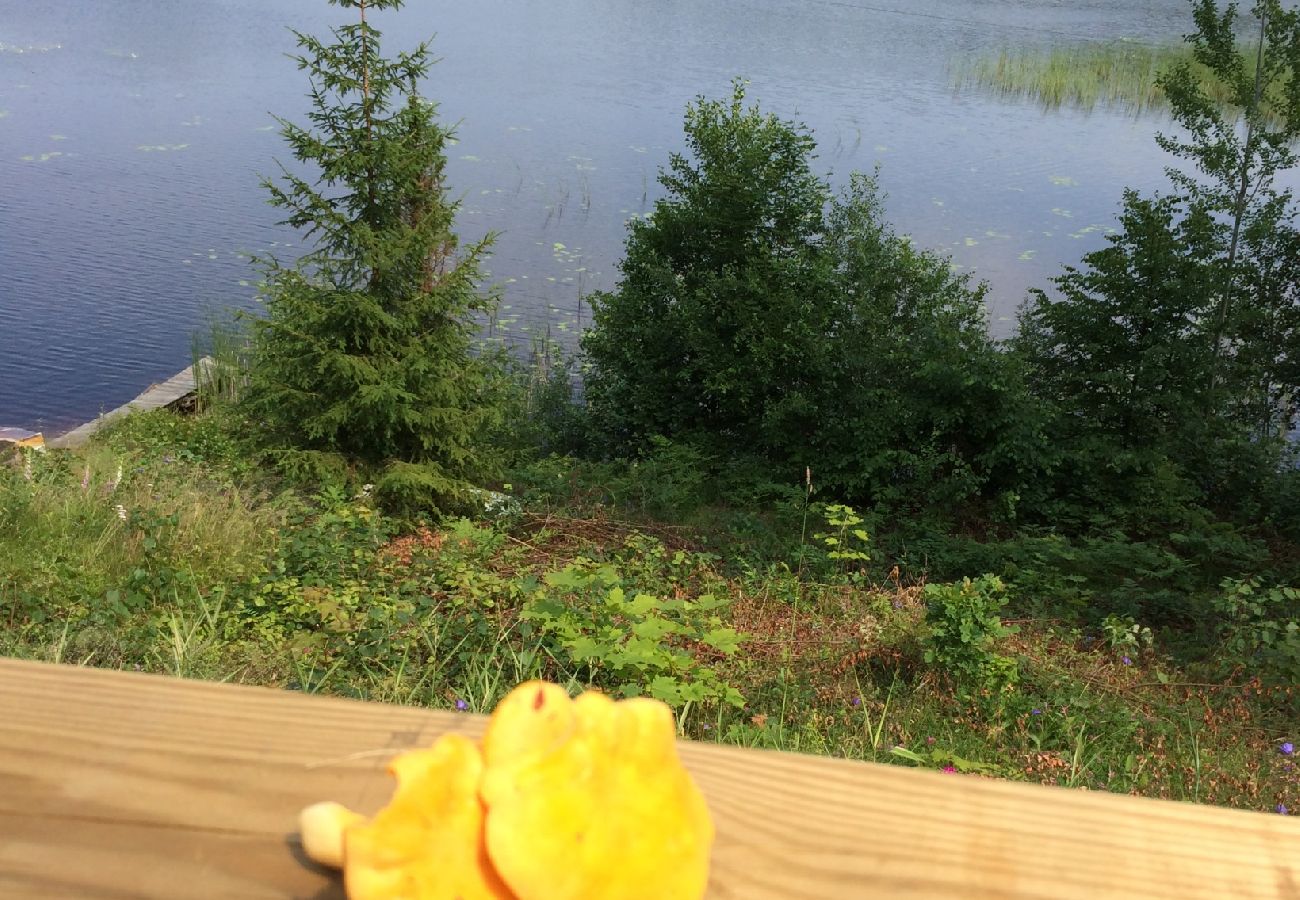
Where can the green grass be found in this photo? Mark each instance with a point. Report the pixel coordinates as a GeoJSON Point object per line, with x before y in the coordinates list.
{"type": "Point", "coordinates": [219, 572]}
{"type": "Point", "coordinates": [1118, 74]}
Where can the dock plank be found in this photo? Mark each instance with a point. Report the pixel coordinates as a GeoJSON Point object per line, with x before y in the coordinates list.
{"type": "Point", "coordinates": [156, 396]}
{"type": "Point", "coordinates": [118, 784]}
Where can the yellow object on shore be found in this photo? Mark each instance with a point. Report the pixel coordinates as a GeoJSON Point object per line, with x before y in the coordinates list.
{"type": "Point", "coordinates": [565, 800]}
{"type": "Point", "coordinates": [17, 437]}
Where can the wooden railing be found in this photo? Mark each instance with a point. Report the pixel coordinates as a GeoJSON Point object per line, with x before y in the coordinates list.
{"type": "Point", "coordinates": [123, 785]}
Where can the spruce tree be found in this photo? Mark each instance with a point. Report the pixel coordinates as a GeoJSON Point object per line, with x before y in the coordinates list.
{"type": "Point", "coordinates": [365, 349]}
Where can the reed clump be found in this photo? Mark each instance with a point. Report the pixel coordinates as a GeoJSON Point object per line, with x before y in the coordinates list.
{"type": "Point", "coordinates": [1118, 74]}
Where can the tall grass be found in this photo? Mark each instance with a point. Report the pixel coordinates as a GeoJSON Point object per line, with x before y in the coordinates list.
{"type": "Point", "coordinates": [1117, 74]}
{"type": "Point", "coordinates": [221, 355]}
{"type": "Point", "coordinates": [79, 533]}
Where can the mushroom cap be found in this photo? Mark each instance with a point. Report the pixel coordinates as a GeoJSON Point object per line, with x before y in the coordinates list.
{"type": "Point", "coordinates": [587, 798]}
{"type": "Point", "coordinates": [427, 843]}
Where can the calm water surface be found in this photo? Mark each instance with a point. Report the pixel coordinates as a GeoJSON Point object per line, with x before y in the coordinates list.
{"type": "Point", "coordinates": [133, 134]}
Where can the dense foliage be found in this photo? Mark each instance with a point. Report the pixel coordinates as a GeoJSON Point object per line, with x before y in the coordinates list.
{"type": "Point", "coordinates": [1170, 359]}
{"type": "Point", "coordinates": [759, 317]}
{"type": "Point", "coordinates": [159, 548]}
{"type": "Point", "coordinates": [364, 351]}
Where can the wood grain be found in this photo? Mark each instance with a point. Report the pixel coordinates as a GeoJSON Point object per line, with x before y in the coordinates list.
{"type": "Point", "coordinates": [123, 785]}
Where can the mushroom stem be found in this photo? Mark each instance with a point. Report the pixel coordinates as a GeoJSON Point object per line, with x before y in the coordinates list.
{"type": "Point", "coordinates": [322, 826]}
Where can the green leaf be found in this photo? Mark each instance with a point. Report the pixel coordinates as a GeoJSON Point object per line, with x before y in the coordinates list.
{"type": "Point", "coordinates": [724, 640]}
{"type": "Point", "coordinates": [666, 689]}
{"type": "Point", "coordinates": [654, 629]}
{"type": "Point", "coordinates": [910, 755]}
{"type": "Point", "coordinates": [642, 604]}
{"type": "Point", "coordinates": [708, 602]}
{"type": "Point", "coordinates": [584, 648]}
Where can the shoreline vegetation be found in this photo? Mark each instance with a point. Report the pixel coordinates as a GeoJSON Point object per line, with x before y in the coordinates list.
{"type": "Point", "coordinates": [802, 496]}
{"type": "Point", "coordinates": [161, 546]}
{"type": "Point", "coordinates": [1119, 74]}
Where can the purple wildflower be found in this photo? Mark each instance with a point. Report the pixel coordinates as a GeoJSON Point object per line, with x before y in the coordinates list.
{"type": "Point", "coordinates": [1282, 810]}
{"type": "Point", "coordinates": [708, 727]}
{"type": "Point", "coordinates": [462, 705]}
{"type": "Point", "coordinates": [857, 701]}
{"type": "Point", "coordinates": [1287, 749]}
{"type": "Point", "coordinates": [1035, 712]}
{"type": "Point", "coordinates": [1127, 661]}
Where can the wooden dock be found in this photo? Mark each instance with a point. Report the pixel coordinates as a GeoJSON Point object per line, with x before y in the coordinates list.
{"type": "Point", "coordinates": [123, 785]}
{"type": "Point", "coordinates": [158, 396]}
{"type": "Point", "coordinates": [21, 438]}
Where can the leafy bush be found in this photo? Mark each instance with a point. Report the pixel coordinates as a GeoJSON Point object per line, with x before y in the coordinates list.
{"type": "Point", "coordinates": [159, 436]}
{"type": "Point", "coordinates": [635, 643]}
{"type": "Point", "coordinates": [667, 480]}
{"type": "Point", "coordinates": [1170, 356]}
{"type": "Point", "coordinates": [839, 552]}
{"type": "Point", "coordinates": [1160, 582]}
{"type": "Point", "coordinates": [542, 410]}
{"type": "Point", "coordinates": [763, 321]}
{"type": "Point", "coordinates": [964, 625]}
{"type": "Point", "coordinates": [715, 318]}
{"type": "Point", "coordinates": [316, 587]}
{"type": "Point", "coordinates": [1126, 636]}
{"type": "Point", "coordinates": [1260, 629]}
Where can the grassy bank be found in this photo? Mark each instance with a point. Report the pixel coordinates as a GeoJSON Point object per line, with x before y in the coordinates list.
{"type": "Point", "coordinates": [775, 625]}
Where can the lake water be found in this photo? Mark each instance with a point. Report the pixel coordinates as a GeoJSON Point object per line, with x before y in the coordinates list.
{"type": "Point", "coordinates": [133, 134]}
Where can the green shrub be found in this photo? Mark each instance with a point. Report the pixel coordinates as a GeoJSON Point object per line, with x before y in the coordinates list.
{"type": "Point", "coordinates": [668, 480]}
{"type": "Point", "coordinates": [715, 319]}
{"type": "Point", "coordinates": [764, 320]}
{"type": "Point", "coordinates": [213, 440]}
{"type": "Point", "coordinates": [964, 625]}
{"type": "Point", "coordinates": [635, 642]}
{"type": "Point", "coordinates": [1260, 629]}
{"type": "Point", "coordinates": [542, 412]}
{"type": "Point", "coordinates": [839, 552]}
{"type": "Point", "coordinates": [317, 585]}
{"type": "Point", "coordinates": [1125, 636]}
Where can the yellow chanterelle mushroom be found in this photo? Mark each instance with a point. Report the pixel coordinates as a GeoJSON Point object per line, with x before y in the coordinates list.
{"type": "Point", "coordinates": [567, 800]}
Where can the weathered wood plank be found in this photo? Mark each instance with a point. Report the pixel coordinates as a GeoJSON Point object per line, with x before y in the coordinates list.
{"type": "Point", "coordinates": [116, 784]}
{"type": "Point", "coordinates": [157, 396]}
